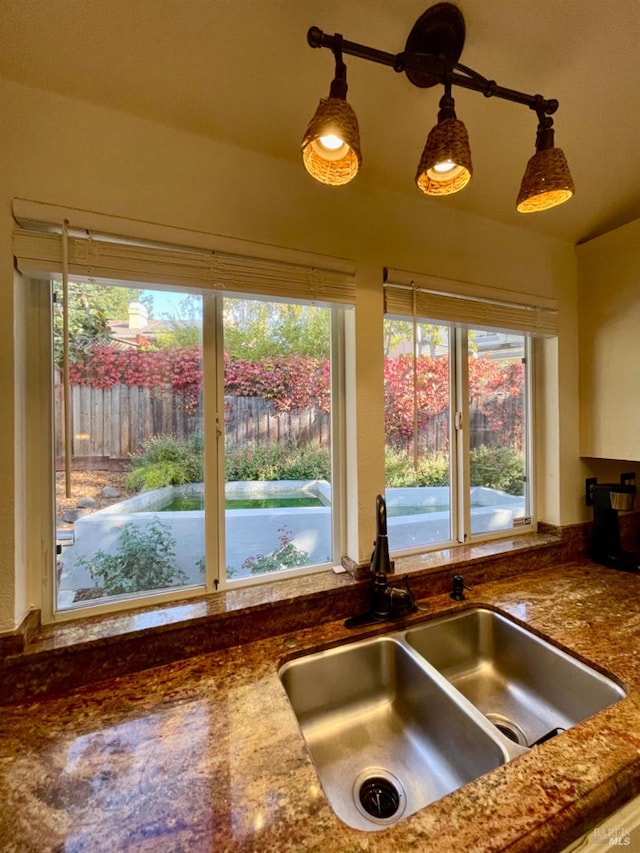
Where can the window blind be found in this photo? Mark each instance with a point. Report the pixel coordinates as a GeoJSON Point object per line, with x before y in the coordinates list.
{"type": "Point", "coordinates": [468, 304]}
{"type": "Point", "coordinates": [39, 254]}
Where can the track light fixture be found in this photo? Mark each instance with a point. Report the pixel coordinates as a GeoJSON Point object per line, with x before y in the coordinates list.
{"type": "Point", "coordinates": [331, 144]}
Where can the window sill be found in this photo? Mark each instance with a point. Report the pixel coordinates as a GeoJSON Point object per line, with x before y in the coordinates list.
{"type": "Point", "coordinates": [62, 657]}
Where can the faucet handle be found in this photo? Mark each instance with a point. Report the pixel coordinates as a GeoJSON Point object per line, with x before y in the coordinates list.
{"type": "Point", "coordinates": [401, 600]}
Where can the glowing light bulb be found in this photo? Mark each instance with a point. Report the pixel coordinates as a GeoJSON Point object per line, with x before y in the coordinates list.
{"type": "Point", "coordinates": [445, 166]}
{"type": "Point", "coordinates": [331, 142]}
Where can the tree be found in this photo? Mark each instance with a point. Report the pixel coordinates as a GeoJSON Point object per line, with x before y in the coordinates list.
{"type": "Point", "coordinates": [397, 334]}
{"type": "Point", "coordinates": [398, 337]}
{"type": "Point", "coordinates": [254, 330]}
{"type": "Point", "coordinates": [184, 326]}
{"type": "Point", "coordinates": [87, 323]}
{"type": "Point", "coordinates": [303, 330]}
{"type": "Point", "coordinates": [90, 307]}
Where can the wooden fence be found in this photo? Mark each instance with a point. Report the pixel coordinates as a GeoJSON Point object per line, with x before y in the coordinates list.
{"type": "Point", "coordinates": [254, 420]}
{"type": "Point", "coordinates": [111, 423]}
{"type": "Point", "coordinates": [108, 424]}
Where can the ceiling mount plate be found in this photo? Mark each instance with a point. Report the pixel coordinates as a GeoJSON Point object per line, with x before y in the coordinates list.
{"type": "Point", "coordinates": [440, 31]}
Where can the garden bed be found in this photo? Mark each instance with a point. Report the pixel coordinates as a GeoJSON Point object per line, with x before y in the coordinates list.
{"type": "Point", "coordinates": [89, 484]}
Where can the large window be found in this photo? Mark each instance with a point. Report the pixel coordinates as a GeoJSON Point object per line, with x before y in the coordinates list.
{"type": "Point", "coordinates": [194, 410]}
{"type": "Point", "coordinates": [496, 411]}
{"type": "Point", "coordinates": [158, 491]}
{"type": "Point", "coordinates": [457, 432]}
{"type": "Point", "coordinates": [419, 461]}
{"type": "Point", "coordinates": [198, 425]}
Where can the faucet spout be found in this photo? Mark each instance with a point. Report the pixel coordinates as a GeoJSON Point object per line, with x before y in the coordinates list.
{"type": "Point", "coordinates": [380, 560]}
{"type": "Point", "coordinates": [387, 601]}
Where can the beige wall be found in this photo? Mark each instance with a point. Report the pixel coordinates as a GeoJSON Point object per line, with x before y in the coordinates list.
{"type": "Point", "coordinates": [70, 153]}
{"type": "Point", "coordinates": [609, 327]}
{"type": "Point", "coordinates": [609, 367]}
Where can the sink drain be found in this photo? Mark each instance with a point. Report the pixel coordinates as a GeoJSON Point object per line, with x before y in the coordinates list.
{"type": "Point", "coordinates": [379, 798]}
{"type": "Point", "coordinates": [379, 795]}
{"type": "Point", "coordinates": [508, 728]}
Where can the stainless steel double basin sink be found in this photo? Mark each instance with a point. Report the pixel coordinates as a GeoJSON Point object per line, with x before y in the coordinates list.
{"type": "Point", "coordinates": [395, 722]}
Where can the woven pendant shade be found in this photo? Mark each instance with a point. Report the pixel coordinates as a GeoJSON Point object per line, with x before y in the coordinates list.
{"type": "Point", "coordinates": [447, 142]}
{"type": "Point", "coordinates": [334, 117]}
{"type": "Point", "coordinates": [546, 183]}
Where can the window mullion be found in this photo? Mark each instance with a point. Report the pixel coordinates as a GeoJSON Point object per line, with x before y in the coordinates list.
{"type": "Point", "coordinates": [213, 413]}
{"type": "Point", "coordinates": [461, 425]}
{"type": "Point", "coordinates": [529, 427]}
{"type": "Point", "coordinates": [338, 434]}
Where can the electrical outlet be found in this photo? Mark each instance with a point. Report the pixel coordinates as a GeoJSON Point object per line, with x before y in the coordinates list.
{"type": "Point", "coordinates": [628, 479]}
{"type": "Point", "coordinates": [589, 483]}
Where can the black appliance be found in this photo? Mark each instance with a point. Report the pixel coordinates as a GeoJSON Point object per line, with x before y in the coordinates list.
{"type": "Point", "coordinates": [608, 499]}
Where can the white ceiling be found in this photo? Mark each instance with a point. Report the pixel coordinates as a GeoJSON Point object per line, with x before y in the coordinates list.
{"type": "Point", "coordinates": [241, 71]}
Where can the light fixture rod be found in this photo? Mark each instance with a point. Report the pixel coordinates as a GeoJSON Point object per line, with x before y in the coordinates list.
{"type": "Point", "coordinates": [435, 67]}
{"type": "Point", "coordinates": [317, 38]}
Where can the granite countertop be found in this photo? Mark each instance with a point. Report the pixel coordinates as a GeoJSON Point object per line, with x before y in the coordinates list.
{"type": "Point", "coordinates": [205, 754]}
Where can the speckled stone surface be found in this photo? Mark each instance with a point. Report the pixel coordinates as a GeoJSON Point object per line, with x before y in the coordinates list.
{"type": "Point", "coordinates": [67, 655]}
{"type": "Point", "coordinates": [204, 754]}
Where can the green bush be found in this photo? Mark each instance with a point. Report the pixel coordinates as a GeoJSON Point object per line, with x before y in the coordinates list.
{"type": "Point", "coordinates": [288, 461]}
{"type": "Point", "coordinates": [144, 560]}
{"type": "Point", "coordinates": [285, 556]}
{"type": "Point", "coordinates": [167, 461]}
{"type": "Point", "coordinates": [499, 468]}
{"type": "Point", "coordinates": [164, 460]}
{"type": "Point", "coordinates": [400, 470]}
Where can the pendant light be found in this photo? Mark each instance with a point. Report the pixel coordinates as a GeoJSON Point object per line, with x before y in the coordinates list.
{"type": "Point", "coordinates": [547, 181]}
{"type": "Point", "coordinates": [331, 144]}
{"type": "Point", "coordinates": [445, 166]}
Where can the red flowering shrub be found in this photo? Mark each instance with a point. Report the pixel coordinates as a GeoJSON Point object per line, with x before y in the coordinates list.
{"type": "Point", "coordinates": [495, 392]}
{"type": "Point", "coordinates": [179, 370]}
{"type": "Point", "coordinates": [289, 382]}
{"type": "Point", "coordinates": [295, 383]}
{"type": "Point", "coordinates": [432, 396]}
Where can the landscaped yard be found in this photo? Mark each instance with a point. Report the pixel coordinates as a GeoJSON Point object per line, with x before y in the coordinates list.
{"type": "Point", "coordinates": [88, 484]}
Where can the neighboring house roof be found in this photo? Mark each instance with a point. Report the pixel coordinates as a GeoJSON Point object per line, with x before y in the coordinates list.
{"type": "Point", "coordinates": [136, 338]}
{"type": "Point", "coordinates": [137, 330]}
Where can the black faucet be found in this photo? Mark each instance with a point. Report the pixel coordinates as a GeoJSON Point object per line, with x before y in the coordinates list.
{"type": "Point", "coordinates": [387, 602]}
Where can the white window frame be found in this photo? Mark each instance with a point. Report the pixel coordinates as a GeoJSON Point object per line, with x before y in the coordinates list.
{"type": "Point", "coordinates": [460, 307]}
{"type": "Point", "coordinates": [338, 450]}
{"type": "Point", "coordinates": [204, 265]}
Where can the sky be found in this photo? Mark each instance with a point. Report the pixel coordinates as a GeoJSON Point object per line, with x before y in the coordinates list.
{"type": "Point", "coordinates": [164, 302]}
